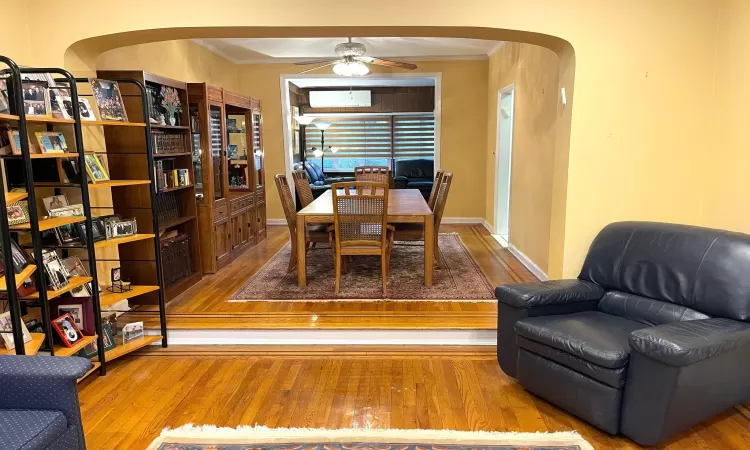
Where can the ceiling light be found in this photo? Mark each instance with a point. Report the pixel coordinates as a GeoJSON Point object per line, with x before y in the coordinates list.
{"type": "Point", "coordinates": [322, 125]}
{"type": "Point", "coordinates": [351, 69]}
{"type": "Point", "coordinates": [304, 120]}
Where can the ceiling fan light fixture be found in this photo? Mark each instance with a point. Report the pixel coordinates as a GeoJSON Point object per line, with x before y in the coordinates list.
{"type": "Point", "coordinates": [350, 69]}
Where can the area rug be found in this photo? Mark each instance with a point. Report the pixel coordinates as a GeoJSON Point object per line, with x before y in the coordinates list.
{"type": "Point", "coordinates": [190, 437]}
{"type": "Point", "coordinates": [460, 280]}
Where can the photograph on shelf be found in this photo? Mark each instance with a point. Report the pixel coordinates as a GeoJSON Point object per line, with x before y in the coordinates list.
{"type": "Point", "coordinates": [34, 325]}
{"type": "Point", "coordinates": [4, 101]}
{"type": "Point", "coordinates": [69, 171]}
{"type": "Point", "coordinates": [132, 331]}
{"type": "Point", "coordinates": [57, 275]}
{"type": "Point", "coordinates": [56, 106]}
{"type": "Point", "coordinates": [20, 260]}
{"type": "Point", "coordinates": [35, 98]}
{"type": "Point", "coordinates": [6, 330]}
{"type": "Point", "coordinates": [107, 222]}
{"type": "Point", "coordinates": [14, 140]}
{"type": "Point", "coordinates": [109, 321]}
{"type": "Point", "coordinates": [18, 213]}
{"type": "Point", "coordinates": [108, 100]}
{"type": "Point", "coordinates": [66, 328]}
{"type": "Point", "coordinates": [65, 104]}
{"type": "Point", "coordinates": [95, 169]}
{"type": "Point", "coordinates": [91, 350]}
{"type": "Point", "coordinates": [49, 238]}
{"type": "Point", "coordinates": [75, 268]}
{"type": "Point", "coordinates": [55, 202]}
{"type": "Point", "coordinates": [118, 284]}
{"type": "Point", "coordinates": [124, 228]}
{"type": "Point", "coordinates": [75, 311]}
{"type": "Point", "coordinates": [67, 233]}
{"type": "Point", "coordinates": [96, 227]}
{"type": "Point", "coordinates": [51, 142]}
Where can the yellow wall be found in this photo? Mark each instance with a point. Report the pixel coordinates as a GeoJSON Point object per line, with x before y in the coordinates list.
{"type": "Point", "coordinates": [182, 60]}
{"type": "Point", "coordinates": [463, 128]}
{"type": "Point", "coordinates": [534, 72]}
{"type": "Point", "coordinates": [727, 162]}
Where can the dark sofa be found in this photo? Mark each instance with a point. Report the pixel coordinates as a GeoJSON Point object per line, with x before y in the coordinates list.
{"type": "Point", "coordinates": [650, 339]}
{"type": "Point", "coordinates": [414, 174]}
{"type": "Point", "coordinates": [39, 406]}
{"type": "Point", "coordinates": [319, 183]}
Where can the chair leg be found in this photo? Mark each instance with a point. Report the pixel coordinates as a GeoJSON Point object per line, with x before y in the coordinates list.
{"type": "Point", "coordinates": [337, 263]}
{"type": "Point", "coordinates": [384, 272]}
{"type": "Point", "coordinates": [345, 263]}
{"type": "Point", "coordinates": [438, 256]}
{"type": "Point", "coordinates": [312, 245]}
{"type": "Point", "coordinates": [293, 256]}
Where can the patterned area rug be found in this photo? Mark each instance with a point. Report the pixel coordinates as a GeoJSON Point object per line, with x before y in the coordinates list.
{"type": "Point", "coordinates": [256, 438]}
{"type": "Point", "coordinates": [462, 279]}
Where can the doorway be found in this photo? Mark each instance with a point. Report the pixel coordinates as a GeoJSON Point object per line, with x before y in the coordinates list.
{"type": "Point", "coordinates": [503, 155]}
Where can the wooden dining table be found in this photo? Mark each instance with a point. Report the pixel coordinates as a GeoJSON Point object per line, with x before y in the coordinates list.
{"type": "Point", "coordinates": [404, 206]}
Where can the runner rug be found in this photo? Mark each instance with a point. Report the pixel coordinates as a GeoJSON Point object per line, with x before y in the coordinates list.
{"type": "Point", "coordinates": [460, 280]}
{"type": "Point", "coordinates": [212, 438]}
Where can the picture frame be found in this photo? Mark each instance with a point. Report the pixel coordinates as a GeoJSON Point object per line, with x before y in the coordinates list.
{"type": "Point", "coordinates": [14, 139]}
{"type": "Point", "coordinates": [35, 98]}
{"type": "Point", "coordinates": [109, 100]}
{"type": "Point", "coordinates": [6, 326]}
{"type": "Point", "coordinates": [66, 328]}
{"type": "Point", "coordinates": [51, 142]}
{"type": "Point", "coordinates": [18, 213]}
{"type": "Point", "coordinates": [75, 268]}
{"type": "Point", "coordinates": [97, 229]}
{"type": "Point", "coordinates": [68, 171]}
{"type": "Point", "coordinates": [86, 110]}
{"type": "Point", "coordinates": [109, 321]}
{"type": "Point", "coordinates": [67, 233]}
{"type": "Point", "coordinates": [20, 259]}
{"type": "Point", "coordinates": [4, 100]}
{"type": "Point", "coordinates": [91, 350]}
{"type": "Point", "coordinates": [115, 275]}
{"type": "Point", "coordinates": [124, 228]}
{"type": "Point", "coordinates": [132, 331]}
{"type": "Point", "coordinates": [57, 274]}
{"type": "Point", "coordinates": [95, 169]}
{"type": "Point", "coordinates": [75, 311]}
{"type": "Point", "coordinates": [55, 202]}
{"type": "Point", "coordinates": [107, 222]}
{"type": "Point", "coordinates": [57, 108]}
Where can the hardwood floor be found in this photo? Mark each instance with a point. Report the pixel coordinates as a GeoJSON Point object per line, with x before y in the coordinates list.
{"type": "Point", "coordinates": [337, 387]}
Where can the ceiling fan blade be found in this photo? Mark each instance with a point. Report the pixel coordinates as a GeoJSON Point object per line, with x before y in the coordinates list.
{"type": "Point", "coordinates": [386, 62]}
{"type": "Point", "coordinates": [319, 67]}
{"type": "Point", "coordinates": [315, 61]}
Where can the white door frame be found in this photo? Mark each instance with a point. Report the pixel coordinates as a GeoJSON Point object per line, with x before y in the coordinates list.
{"type": "Point", "coordinates": [500, 160]}
{"type": "Point", "coordinates": [286, 113]}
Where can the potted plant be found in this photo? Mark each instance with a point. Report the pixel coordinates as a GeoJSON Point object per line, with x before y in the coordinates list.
{"type": "Point", "coordinates": [170, 101]}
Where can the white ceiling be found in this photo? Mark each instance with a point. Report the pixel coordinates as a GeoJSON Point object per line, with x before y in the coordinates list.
{"type": "Point", "coordinates": [371, 81]}
{"type": "Point", "coordinates": [260, 50]}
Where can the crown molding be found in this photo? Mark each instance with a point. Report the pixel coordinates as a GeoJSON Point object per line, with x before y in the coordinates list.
{"type": "Point", "coordinates": [496, 48]}
{"type": "Point", "coordinates": [215, 50]}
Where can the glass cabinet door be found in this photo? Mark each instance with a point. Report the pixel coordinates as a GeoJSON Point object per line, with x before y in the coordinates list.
{"type": "Point", "coordinates": [195, 137]}
{"type": "Point", "coordinates": [237, 152]}
{"type": "Point", "coordinates": [216, 151]}
{"type": "Point", "coordinates": [258, 148]}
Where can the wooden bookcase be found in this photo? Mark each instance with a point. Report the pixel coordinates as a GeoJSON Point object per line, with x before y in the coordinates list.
{"type": "Point", "coordinates": [175, 206]}
{"type": "Point", "coordinates": [229, 214]}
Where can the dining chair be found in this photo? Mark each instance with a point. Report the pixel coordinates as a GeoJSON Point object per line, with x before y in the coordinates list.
{"type": "Point", "coordinates": [361, 224]}
{"type": "Point", "coordinates": [375, 174]}
{"type": "Point", "coordinates": [302, 184]}
{"type": "Point", "coordinates": [313, 233]}
{"type": "Point", "coordinates": [415, 231]}
{"type": "Point", "coordinates": [435, 189]}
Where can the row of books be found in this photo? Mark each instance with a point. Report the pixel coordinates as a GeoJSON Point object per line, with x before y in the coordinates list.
{"type": "Point", "coordinates": [166, 143]}
{"type": "Point", "coordinates": [168, 207]}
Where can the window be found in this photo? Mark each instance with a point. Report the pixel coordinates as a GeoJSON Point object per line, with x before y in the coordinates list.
{"type": "Point", "coordinates": [371, 141]}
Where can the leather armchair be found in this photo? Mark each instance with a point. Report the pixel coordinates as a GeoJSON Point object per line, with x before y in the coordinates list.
{"type": "Point", "coordinates": [319, 183]}
{"type": "Point", "coordinates": [650, 339]}
{"type": "Point", "coordinates": [414, 174]}
{"type": "Point", "coordinates": [39, 406]}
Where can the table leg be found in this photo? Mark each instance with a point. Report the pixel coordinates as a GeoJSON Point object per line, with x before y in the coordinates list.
{"type": "Point", "coordinates": [301, 247]}
{"type": "Point", "coordinates": [429, 248]}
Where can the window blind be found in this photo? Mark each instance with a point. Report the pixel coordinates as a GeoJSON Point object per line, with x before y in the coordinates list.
{"type": "Point", "coordinates": [355, 137]}
{"type": "Point", "coordinates": [413, 136]}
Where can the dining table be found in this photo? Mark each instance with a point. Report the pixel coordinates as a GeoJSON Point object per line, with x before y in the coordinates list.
{"type": "Point", "coordinates": [404, 206]}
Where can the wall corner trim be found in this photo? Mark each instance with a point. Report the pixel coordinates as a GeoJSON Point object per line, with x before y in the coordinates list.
{"type": "Point", "coordinates": [466, 220]}
{"type": "Point", "coordinates": [526, 261]}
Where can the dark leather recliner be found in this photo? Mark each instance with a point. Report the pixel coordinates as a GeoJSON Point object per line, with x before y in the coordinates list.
{"type": "Point", "coordinates": [319, 183]}
{"type": "Point", "coordinates": [414, 174]}
{"type": "Point", "coordinates": [652, 338]}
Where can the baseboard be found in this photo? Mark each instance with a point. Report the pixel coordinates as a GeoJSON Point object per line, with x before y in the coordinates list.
{"type": "Point", "coordinates": [488, 227]}
{"type": "Point", "coordinates": [526, 261]}
{"type": "Point", "coordinates": [466, 220]}
{"type": "Point", "coordinates": [276, 222]}
{"type": "Point", "coordinates": [330, 337]}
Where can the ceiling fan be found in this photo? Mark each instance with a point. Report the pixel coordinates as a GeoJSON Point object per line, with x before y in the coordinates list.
{"type": "Point", "coordinates": [351, 62]}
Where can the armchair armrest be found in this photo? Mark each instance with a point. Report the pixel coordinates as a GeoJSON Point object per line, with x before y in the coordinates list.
{"type": "Point", "coordinates": [683, 343]}
{"type": "Point", "coordinates": [400, 182]}
{"type": "Point", "coordinates": [547, 293]}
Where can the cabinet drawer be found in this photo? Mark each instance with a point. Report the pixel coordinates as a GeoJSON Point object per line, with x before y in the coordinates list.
{"type": "Point", "coordinates": [220, 211]}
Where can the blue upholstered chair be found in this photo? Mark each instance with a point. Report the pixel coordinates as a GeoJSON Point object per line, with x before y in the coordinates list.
{"type": "Point", "coordinates": [39, 402]}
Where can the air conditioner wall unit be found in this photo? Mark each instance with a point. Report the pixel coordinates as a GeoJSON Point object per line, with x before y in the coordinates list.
{"type": "Point", "coordinates": [340, 99]}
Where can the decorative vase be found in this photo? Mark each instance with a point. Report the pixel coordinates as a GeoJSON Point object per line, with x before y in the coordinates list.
{"type": "Point", "coordinates": [172, 119]}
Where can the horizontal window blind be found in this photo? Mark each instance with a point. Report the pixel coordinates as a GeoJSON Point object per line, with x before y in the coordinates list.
{"type": "Point", "coordinates": [413, 136]}
{"type": "Point", "coordinates": [356, 137]}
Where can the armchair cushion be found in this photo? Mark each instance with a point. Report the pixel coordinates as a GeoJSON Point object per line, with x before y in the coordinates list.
{"type": "Point", "coordinates": [29, 429]}
{"type": "Point", "coordinates": [545, 293]}
{"type": "Point", "coordinates": [590, 335]}
{"type": "Point", "coordinates": [683, 343]}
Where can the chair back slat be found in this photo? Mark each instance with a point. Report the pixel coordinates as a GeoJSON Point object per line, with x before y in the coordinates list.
{"type": "Point", "coordinates": [360, 214]}
{"type": "Point", "coordinates": [375, 174]}
{"type": "Point", "coordinates": [442, 199]}
{"type": "Point", "coordinates": [435, 189]}
{"type": "Point", "coordinates": [302, 184]}
{"type": "Point", "coordinates": [287, 202]}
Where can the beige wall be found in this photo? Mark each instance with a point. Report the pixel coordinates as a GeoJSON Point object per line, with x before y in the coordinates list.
{"type": "Point", "coordinates": [534, 72]}
{"type": "Point", "coordinates": [463, 128]}
{"type": "Point", "coordinates": [182, 60]}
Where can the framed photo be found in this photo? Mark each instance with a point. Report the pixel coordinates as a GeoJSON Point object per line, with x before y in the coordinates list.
{"type": "Point", "coordinates": [6, 326]}
{"type": "Point", "coordinates": [109, 321]}
{"type": "Point", "coordinates": [55, 202]}
{"type": "Point", "coordinates": [15, 143]}
{"type": "Point", "coordinates": [107, 222]}
{"type": "Point", "coordinates": [124, 228]}
{"type": "Point", "coordinates": [75, 268]}
{"type": "Point", "coordinates": [57, 275]}
{"type": "Point", "coordinates": [95, 169]}
{"type": "Point", "coordinates": [51, 142]}
{"type": "Point", "coordinates": [75, 311]}
{"type": "Point", "coordinates": [116, 275]}
{"type": "Point", "coordinates": [97, 228]}
{"type": "Point", "coordinates": [67, 233]}
{"type": "Point", "coordinates": [92, 349]}
{"type": "Point", "coordinates": [65, 104]}
{"type": "Point", "coordinates": [108, 100]}
{"type": "Point", "coordinates": [20, 260]}
{"type": "Point", "coordinates": [18, 213]}
{"type": "Point", "coordinates": [132, 331]}
{"type": "Point", "coordinates": [4, 102]}
{"type": "Point", "coordinates": [56, 106]}
{"type": "Point", "coordinates": [68, 171]}
{"type": "Point", "coordinates": [66, 328]}
{"type": "Point", "coordinates": [35, 98]}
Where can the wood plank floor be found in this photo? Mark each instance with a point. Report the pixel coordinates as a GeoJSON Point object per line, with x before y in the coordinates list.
{"type": "Point", "coordinates": [205, 304]}
{"type": "Point", "coordinates": [457, 388]}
